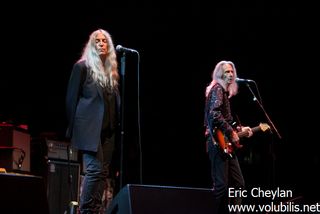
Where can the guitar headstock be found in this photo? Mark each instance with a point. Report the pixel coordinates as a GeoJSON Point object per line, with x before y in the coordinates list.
{"type": "Point", "coordinates": [264, 126]}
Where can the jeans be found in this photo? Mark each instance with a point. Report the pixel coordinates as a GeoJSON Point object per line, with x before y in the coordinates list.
{"type": "Point", "coordinates": [96, 172]}
{"type": "Point", "coordinates": [225, 172]}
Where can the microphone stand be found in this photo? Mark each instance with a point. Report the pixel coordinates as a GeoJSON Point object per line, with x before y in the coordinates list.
{"type": "Point", "coordinates": [122, 72]}
{"type": "Point", "coordinates": [264, 111]}
{"type": "Point", "coordinates": [272, 128]}
{"type": "Point", "coordinates": [72, 203]}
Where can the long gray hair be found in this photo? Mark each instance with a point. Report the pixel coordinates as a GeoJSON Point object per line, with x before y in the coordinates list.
{"type": "Point", "coordinates": [217, 77]}
{"type": "Point", "coordinates": [105, 73]}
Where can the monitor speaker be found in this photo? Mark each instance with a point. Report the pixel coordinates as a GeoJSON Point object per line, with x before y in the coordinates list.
{"type": "Point", "coordinates": [145, 199]}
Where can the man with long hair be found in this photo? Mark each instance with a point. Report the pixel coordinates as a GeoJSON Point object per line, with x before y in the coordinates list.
{"type": "Point", "coordinates": [225, 169]}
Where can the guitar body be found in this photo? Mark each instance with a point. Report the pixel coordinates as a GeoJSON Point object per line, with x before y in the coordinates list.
{"type": "Point", "coordinates": [223, 142]}
{"type": "Point", "coordinates": [227, 147]}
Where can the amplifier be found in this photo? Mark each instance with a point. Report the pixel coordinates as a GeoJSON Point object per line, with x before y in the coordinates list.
{"type": "Point", "coordinates": [14, 148]}
{"type": "Point", "coordinates": [60, 150]}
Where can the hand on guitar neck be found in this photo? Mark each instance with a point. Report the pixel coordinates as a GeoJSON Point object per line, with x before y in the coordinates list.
{"type": "Point", "coordinates": [247, 132]}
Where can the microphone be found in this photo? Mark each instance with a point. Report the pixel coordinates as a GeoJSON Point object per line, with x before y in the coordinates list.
{"type": "Point", "coordinates": [120, 48]}
{"type": "Point", "coordinates": [239, 80]}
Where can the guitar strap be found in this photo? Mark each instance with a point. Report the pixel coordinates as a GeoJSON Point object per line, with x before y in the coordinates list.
{"type": "Point", "coordinates": [210, 131]}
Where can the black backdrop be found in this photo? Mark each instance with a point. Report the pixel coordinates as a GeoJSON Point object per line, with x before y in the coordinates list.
{"type": "Point", "coordinates": [179, 46]}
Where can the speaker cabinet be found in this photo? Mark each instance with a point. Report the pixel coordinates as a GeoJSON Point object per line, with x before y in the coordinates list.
{"type": "Point", "coordinates": [63, 184]}
{"type": "Point", "coordinates": [145, 199]}
{"type": "Point", "coordinates": [22, 194]}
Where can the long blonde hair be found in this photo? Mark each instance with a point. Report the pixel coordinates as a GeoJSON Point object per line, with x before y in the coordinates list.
{"type": "Point", "coordinates": [105, 73]}
{"type": "Point", "coordinates": [217, 77]}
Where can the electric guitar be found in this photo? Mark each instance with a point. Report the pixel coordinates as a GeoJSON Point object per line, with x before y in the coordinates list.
{"type": "Point", "coordinates": [228, 147]}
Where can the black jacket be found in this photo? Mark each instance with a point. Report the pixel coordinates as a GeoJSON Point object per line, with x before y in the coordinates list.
{"type": "Point", "coordinates": [85, 109]}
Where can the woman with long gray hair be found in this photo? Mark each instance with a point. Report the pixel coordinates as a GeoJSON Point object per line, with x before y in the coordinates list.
{"type": "Point", "coordinates": [92, 104]}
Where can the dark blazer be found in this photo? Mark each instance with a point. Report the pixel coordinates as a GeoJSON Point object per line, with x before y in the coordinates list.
{"type": "Point", "coordinates": [85, 109]}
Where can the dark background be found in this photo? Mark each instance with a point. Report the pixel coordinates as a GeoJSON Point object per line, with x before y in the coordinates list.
{"type": "Point", "coordinates": [274, 44]}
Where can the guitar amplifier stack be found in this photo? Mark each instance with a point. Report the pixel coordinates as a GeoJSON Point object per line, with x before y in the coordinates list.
{"type": "Point", "coordinates": [63, 181]}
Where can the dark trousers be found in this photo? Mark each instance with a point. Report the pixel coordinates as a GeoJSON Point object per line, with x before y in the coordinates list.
{"type": "Point", "coordinates": [96, 166]}
{"type": "Point", "coordinates": [225, 173]}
